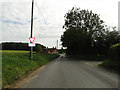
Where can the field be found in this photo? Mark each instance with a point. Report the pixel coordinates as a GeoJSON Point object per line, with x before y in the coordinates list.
{"type": "Point", "coordinates": [15, 64]}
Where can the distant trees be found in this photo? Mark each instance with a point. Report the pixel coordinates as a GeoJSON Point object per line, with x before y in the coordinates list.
{"type": "Point", "coordinates": [15, 46]}
{"type": "Point", "coordinates": [21, 46]}
{"type": "Point", "coordinates": [86, 33]}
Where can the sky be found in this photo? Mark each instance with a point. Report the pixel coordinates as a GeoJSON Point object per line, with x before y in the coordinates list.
{"type": "Point", "coordinates": [48, 18]}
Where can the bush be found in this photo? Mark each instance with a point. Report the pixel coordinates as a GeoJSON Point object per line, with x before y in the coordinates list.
{"type": "Point", "coordinates": [114, 52]}
{"type": "Point", "coordinates": [38, 48]}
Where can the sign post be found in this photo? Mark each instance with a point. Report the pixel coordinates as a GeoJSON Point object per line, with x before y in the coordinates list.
{"type": "Point", "coordinates": [31, 29]}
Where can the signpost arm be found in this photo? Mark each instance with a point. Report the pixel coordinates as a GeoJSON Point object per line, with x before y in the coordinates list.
{"type": "Point", "coordinates": [31, 29]}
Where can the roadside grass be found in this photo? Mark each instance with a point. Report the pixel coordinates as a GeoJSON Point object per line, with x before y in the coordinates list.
{"type": "Point", "coordinates": [110, 64]}
{"type": "Point", "coordinates": [42, 59]}
{"type": "Point", "coordinates": [15, 64]}
{"type": "Point", "coordinates": [87, 57]}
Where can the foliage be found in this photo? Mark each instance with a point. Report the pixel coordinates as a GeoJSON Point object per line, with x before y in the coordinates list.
{"type": "Point", "coordinates": [114, 52]}
{"type": "Point", "coordinates": [87, 57]}
{"type": "Point", "coordinates": [15, 65]}
{"type": "Point", "coordinates": [110, 64]}
{"type": "Point", "coordinates": [113, 61]}
{"type": "Point", "coordinates": [111, 37]}
{"type": "Point", "coordinates": [20, 46]}
{"type": "Point", "coordinates": [76, 41]}
{"type": "Point", "coordinates": [86, 33]}
{"type": "Point", "coordinates": [83, 29]}
{"type": "Point", "coordinates": [38, 48]}
{"type": "Point", "coordinates": [14, 46]}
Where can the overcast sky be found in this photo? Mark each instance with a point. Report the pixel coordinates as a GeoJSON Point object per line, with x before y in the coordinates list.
{"type": "Point", "coordinates": [48, 18]}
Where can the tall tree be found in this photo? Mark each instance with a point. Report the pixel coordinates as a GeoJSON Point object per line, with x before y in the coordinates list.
{"type": "Point", "coordinates": [83, 28]}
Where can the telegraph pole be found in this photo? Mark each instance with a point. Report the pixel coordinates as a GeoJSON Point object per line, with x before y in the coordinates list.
{"type": "Point", "coordinates": [31, 29]}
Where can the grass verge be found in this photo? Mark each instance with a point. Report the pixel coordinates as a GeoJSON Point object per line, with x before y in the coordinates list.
{"type": "Point", "coordinates": [114, 65]}
{"type": "Point", "coordinates": [15, 64]}
{"type": "Point", "coordinates": [87, 57]}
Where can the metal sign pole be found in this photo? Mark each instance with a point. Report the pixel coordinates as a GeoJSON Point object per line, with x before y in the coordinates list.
{"type": "Point", "coordinates": [31, 29]}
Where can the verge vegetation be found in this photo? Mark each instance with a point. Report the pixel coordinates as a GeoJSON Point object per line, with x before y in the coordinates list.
{"type": "Point", "coordinates": [16, 64]}
{"type": "Point", "coordinates": [113, 61]}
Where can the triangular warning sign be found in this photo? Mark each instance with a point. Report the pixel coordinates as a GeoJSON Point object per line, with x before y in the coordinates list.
{"type": "Point", "coordinates": [32, 39]}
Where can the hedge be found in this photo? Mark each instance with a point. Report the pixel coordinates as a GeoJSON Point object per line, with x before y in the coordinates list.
{"type": "Point", "coordinates": [114, 52]}
{"type": "Point", "coordinates": [19, 46]}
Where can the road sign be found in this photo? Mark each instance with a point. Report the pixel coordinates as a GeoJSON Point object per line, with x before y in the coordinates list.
{"type": "Point", "coordinates": [32, 39]}
{"type": "Point", "coordinates": [31, 44]}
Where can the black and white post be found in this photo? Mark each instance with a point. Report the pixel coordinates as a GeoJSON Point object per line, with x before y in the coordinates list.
{"type": "Point", "coordinates": [31, 29]}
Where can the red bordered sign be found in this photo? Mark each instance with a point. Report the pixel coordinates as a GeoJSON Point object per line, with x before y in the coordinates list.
{"type": "Point", "coordinates": [32, 39]}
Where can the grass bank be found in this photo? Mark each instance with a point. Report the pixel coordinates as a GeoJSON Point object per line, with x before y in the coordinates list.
{"type": "Point", "coordinates": [87, 57]}
{"type": "Point", "coordinates": [109, 64]}
{"type": "Point", "coordinates": [15, 64]}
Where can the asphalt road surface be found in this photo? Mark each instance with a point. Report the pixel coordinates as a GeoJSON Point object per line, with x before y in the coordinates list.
{"type": "Point", "coordinates": [65, 72]}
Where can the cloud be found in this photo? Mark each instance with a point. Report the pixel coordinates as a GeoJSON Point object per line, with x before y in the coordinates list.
{"type": "Point", "coordinates": [45, 36]}
{"type": "Point", "coordinates": [13, 22]}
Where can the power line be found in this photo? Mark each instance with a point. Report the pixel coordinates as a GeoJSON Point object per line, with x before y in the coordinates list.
{"type": "Point", "coordinates": [45, 21]}
{"type": "Point", "coordinates": [40, 13]}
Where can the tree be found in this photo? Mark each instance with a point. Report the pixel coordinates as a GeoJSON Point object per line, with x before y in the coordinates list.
{"type": "Point", "coordinates": [112, 37]}
{"type": "Point", "coordinates": [83, 30]}
{"type": "Point", "coordinates": [38, 48]}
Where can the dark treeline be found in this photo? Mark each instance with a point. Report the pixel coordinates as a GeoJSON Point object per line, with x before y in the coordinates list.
{"type": "Point", "coordinates": [87, 34]}
{"type": "Point", "coordinates": [20, 46]}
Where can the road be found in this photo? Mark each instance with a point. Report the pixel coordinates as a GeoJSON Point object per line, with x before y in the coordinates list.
{"type": "Point", "coordinates": [65, 72]}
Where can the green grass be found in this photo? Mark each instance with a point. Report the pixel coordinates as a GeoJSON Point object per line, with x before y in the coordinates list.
{"type": "Point", "coordinates": [16, 64]}
{"type": "Point", "coordinates": [110, 64]}
{"type": "Point", "coordinates": [87, 57]}
{"type": "Point", "coordinates": [14, 51]}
